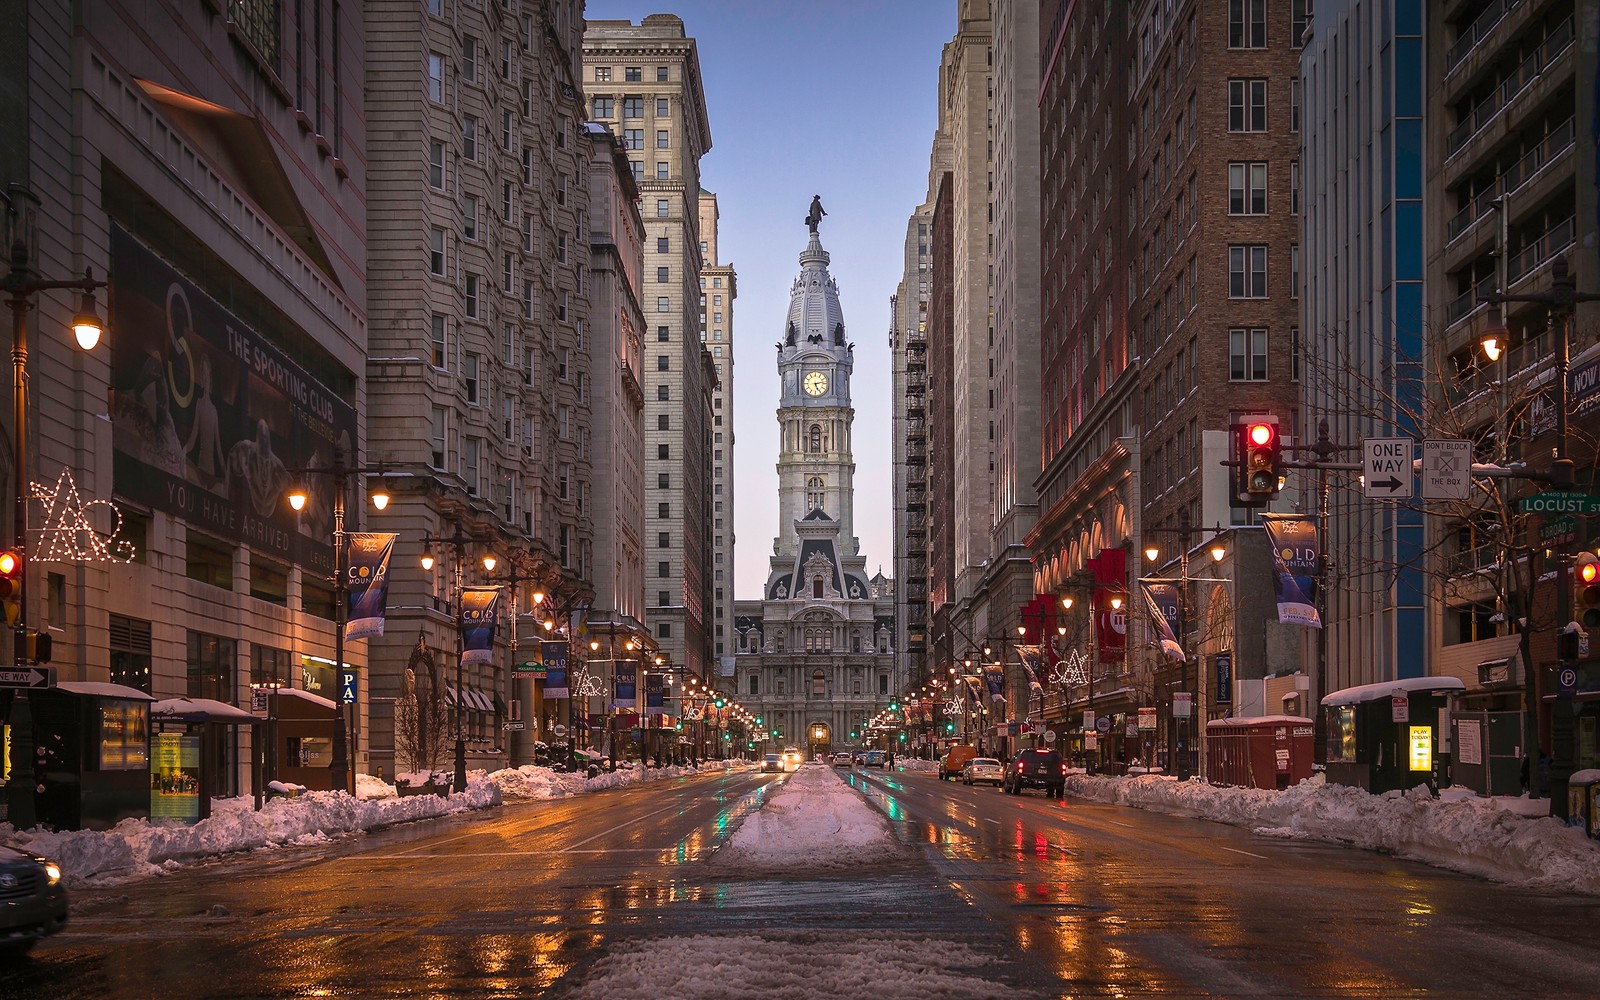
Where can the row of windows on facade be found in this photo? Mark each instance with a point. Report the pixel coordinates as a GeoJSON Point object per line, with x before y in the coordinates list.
{"type": "Point", "coordinates": [632, 108]}
{"type": "Point", "coordinates": [439, 180]}
{"type": "Point", "coordinates": [813, 640]}
{"type": "Point", "coordinates": [1247, 27]}
{"type": "Point", "coordinates": [820, 688]}
{"type": "Point", "coordinates": [474, 302]}
{"type": "Point", "coordinates": [630, 74]}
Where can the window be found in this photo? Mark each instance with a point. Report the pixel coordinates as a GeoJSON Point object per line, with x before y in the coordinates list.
{"type": "Point", "coordinates": [436, 251]}
{"type": "Point", "coordinates": [435, 77]}
{"type": "Point", "coordinates": [663, 274]}
{"type": "Point", "coordinates": [663, 209]}
{"type": "Point", "coordinates": [1294, 187]}
{"type": "Point", "coordinates": [469, 137]}
{"type": "Point", "coordinates": [633, 138]}
{"type": "Point", "coordinates": [1300, 13]}
{"type": "Point", "coordinates": [663, 481]}
{"type": "Point", "coordinates": [438, 438]}
{"type": "Point", "coordinates": [664, 630]}
{"type": "Point", "coordinates": [1247, 105]}
{"type": "Point", "coordinates": [663, 363]}
{"type": "Point", "coordinates": [1294, 104]}
{"type": "Point", "coordinates": [1247, 24]}
{"type": "Point", "coordinates": [505, 206]}
{"type": "Point", "coordinates": [1247, 189]}
{"type": "Point", "coordinates": [602, 74]}
{"type": "Point", "coordinates": [505, 130]}
{"type": "Point", "coordinates": [470, 453]}
{"type": "Point", "coordinates": [469, 58]}
{"type": "Point", "coordinates": [663, 304]}
{"type": "Point", "coordinates": [469, 373]}
{"type": "Point", "coordinates": [633, 107]}
{"type": "Point", "coordinates": [661, 74]}
{"type": "Point", "coordinates": [632, 74]}
{"type": "Point", "coordinates": [436, 164]}
{"type": "Point", "coordinates": [1247, 355]}
{"type": "Point", "coordinates": [1247, 272]}
{"type": "Point", "coordinates": [814, 493]}
{"type": "Point", "coordinates": [469, 217]}
{"type": "Point", "coordinates": [661, 107]}
{"type": "Point", "coordinates": [1294, 354]}
{"type": "Point", "coordinates": [211, 663]}
{"type": "Point", "coordinates": [663, 334]}
{"type": "Point", "coordinates": [602, 107]}
{"type": "Point", "coordinates": [472, 296]}
{"type": "Point", "coordinates": [663, 171]}
{"type": "Point", "coordinates": [663, 393]}
{"type": "Point", "coordinates": [1294, 271]}
{"type": "Point", "coordinates": [661, 139]}
{"type": "Point", "coordinates": [663, 245]}
{"type": "Point", "coordinates": [436, 323]}
{"type": "Point", "coordinates": [130, 652]}
{"type": "Point", "coordinates": [663, 539]}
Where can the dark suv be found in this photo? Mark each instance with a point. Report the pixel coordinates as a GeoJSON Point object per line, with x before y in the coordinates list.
{"type": "Point", "coordinates": [33, 902]}
{"type": "Point", "coordinates": [1036, 769]}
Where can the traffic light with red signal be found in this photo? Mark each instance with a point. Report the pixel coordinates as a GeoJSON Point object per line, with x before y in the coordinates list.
{"type": "Point", "coordinates": [1258, 459]}
{"type": "Point", "coordinates": [1586, 591]}
{"type": "Point", "coordinates": [11, 585]}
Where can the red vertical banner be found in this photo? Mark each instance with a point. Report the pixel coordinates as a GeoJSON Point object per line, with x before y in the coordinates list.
{"type": "Point", "coordinates": [1110, 569]}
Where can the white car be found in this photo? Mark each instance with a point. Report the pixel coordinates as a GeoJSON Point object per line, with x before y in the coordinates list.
{"type": "Point", "coordinates": [792, 759]}
{"type": "Point", "coordinates": [841, 760]}
{"type": "Point", "coordinates": [983, 769]}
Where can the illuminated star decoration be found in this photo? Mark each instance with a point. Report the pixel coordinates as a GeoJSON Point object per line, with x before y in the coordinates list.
{"type": "Point", "coordinates": [952, 707]}
{"type": "Point", "coordinates": [68, 534]}
{"type": "Point", "coordinates": [1070, 669]}
{"type": "Point", "coordinates": [587, 684]}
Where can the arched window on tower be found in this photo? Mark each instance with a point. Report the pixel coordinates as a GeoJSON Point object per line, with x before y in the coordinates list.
{"type": "Point", "coordinates": [815, 446]}
{"type": "Point", "coordinates": [814, 489]}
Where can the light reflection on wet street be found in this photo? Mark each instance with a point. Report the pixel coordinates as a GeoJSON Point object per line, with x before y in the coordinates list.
{"type": "Point", "coordinates": [1073, 899]}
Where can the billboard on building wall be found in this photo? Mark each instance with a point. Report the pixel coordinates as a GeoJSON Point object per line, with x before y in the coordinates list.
{"type": "Point", "coordinates": [208, 416]}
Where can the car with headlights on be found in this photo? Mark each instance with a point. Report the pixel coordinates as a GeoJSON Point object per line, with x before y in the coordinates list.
{"type": "Point", "coordinates": [772, 762]}
{"type": "Point", "coordinates": [33, 900]}
{"type": "Point", "coordinates": [792, 759]}
{"type": "Point", "coordinates": [983, 770]}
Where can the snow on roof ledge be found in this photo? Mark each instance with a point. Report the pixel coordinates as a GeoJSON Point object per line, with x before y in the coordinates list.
{"type": "Point", "coordinates": [1388, 689]}
{"type": "Point", "coordinates": [315, 699]}
{"type": "Point", "coordinates": [103, 689]}
{"type": "Point", "coordinates": [1284, 720]}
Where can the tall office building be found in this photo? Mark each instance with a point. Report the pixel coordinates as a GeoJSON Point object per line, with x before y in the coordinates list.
{"type": "Point", "coordinates": [480, 385]}
{"type": "Point", "coordinates": [616, 324]}
{"type": "Point", "coordinates": [223, 199]}
{"type": "Point", "coordinates": [1364, 325]}
{"type": "Point", "coordinates": [643, 82]}
{"type": "Point", "coordinates": [908, 342]}
{"type": "Point", "coordinates": [719, 286]}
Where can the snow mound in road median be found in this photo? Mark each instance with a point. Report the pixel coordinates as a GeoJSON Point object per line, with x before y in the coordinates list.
{"type": "Point", "coordinates": [814, 821]}
{"type": "Point", "coordinates": [782, 967]}
{"type": "Point", "coordinates": [1473, 835]}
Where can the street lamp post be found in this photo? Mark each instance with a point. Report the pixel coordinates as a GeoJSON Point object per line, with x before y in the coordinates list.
{"type": "Point", "coordinates": [1066, 604]}
{"type": "Point", "coordinates": [342, 773]}
{"type": "Point", "coordinates": [457, 541]}
{"type": "Point", "coordinates": [517, 572]}
{"type": "Point", "coordinates": [1562, 301]}
{"type": "Point", "coordinates": [1182, 726]}
{"type": "Point", "coordinates": [20, 285]}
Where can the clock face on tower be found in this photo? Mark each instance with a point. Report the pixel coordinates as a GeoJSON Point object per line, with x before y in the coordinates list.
{"type": "Point", "coordinates": [816, 383]}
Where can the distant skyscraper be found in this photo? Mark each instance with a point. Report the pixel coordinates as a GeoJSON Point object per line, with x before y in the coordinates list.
{"type": "Point", "coordinates": [718, 288]}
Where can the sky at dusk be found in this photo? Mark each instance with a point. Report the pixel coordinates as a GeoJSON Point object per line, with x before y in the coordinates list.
{"type": "Point", "coordinates": [829, 97]}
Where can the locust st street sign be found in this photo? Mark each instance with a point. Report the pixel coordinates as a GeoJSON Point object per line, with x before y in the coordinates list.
{"type": "Point", "coordinates": [1386, 468]}
{"type": "Point", "coordinates": [1559, 502]}
{"type": "Point", "coordinates": [26, 677]}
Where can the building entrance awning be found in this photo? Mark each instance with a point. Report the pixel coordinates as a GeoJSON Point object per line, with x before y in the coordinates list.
{"type": "Point", "coordinates": [201, 710]}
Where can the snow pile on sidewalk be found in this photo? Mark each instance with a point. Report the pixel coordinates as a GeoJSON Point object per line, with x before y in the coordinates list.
{"type": "Point", "coordinates": [1472, 835]}
{"type": "Point", "coordinates": [533, 782]}
{"type": "Point", "coordinates": [884, 966]}
{"type": "Point", "coordinates": [915, 766]}
{"type": "Point", "coordinates": [135, 848]}
{"type": "Point", "coordinates": [813, 822]}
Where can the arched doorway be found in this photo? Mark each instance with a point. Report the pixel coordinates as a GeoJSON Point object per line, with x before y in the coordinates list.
{"type": "Point", "coordinates": [819, 739]}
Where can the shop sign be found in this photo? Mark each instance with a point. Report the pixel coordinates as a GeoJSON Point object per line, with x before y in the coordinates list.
{"type": "Point", "coordinates": [175, 779]}
{"type": "Point", "coordinates": [1420, 742]}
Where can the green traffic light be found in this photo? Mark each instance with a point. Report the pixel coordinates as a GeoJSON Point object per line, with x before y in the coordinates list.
{"type": "Point", "coordinates": [902, 737]}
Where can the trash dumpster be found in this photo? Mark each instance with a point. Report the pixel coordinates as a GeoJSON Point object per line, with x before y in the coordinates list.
{"type": "Point", "coordinates": [1583, 802]}
{"type": "Point", "coordinates": [1269, 751]}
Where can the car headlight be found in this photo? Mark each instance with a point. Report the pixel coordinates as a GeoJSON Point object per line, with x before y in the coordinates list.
{"type": "Point", "coordinates": [52, 870]}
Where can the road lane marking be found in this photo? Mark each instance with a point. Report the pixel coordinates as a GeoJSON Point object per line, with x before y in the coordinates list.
{"type": "Point", "coordinates": [508, 854]}
{"type": "Point", "coordinates": [636, 819]}
{"type": "Point", "coordinates": [1263, 857]}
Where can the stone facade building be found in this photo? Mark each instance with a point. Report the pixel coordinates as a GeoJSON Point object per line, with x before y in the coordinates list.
{"type": "Point", "coordinates": [642, 81]}
{"type": "Point", "coordinates": [719, 286]}
{"type": "Point", "coordinates": [815, 655]}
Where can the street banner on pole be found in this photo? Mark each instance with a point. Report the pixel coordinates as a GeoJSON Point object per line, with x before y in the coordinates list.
{"type": "Point", "coordinates": [996, 679]}
{"type": "Point", "coordinates": [368, 582]}
{"type": "Point", "coordinates": [1162, 601]}
{"type": "Point", "coordinates": [655, 694]}
{"type": "Point", "coordinates": [1222, 670]}
{"type": "Point", "coordinates": [479, 605]}
{"type": "Point", "coordinates": [554, 655]}
{"type": "Point", "coordinates": [1109, 569]}
{"type": "Point", "coordinates": [625, 685]}
{"type": "Point", "coordinates": [1032, 658]}
{"type": "Point", "coordinates": [1295, 555]}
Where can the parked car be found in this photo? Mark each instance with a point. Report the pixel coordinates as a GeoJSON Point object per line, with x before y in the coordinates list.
{"type": "Point", "coordinates": [954, 760]}
{"type": "Point", "coordinates": [772, 762]}
{"type": "Point", "coordinates": [1036, 769]}
{"type": "Point", "coordinates": [841, 760]}
{"type": "Point", "coordinates": [33, 900]}
{"type": "Point", "coordinates": [983, 769]}
{"type": "Point", "coordinates": [874, 758]}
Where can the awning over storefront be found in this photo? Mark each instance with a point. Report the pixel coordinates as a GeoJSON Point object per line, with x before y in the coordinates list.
{"type": "Point", "coordinates": [103, 689]}
{"type": "Point", "coordinates": [315, 699]}
{"type": "Point", "coordinates": [1389, 689]}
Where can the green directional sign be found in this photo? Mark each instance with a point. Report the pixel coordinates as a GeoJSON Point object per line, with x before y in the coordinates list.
{"type": "Point", "coordinates": [534, 670]}
{"type": "Point", "coordinates": [1559, 502]}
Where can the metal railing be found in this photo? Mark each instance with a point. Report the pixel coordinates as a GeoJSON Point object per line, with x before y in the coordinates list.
{"type": "Point", "coordinates": [1523, 76]}
{"type": "Point", "coordinates": [1475, 32]}
{"type": "Point", "coordinates": [1556, 239]}
{"type": "Point", "coordinates": [1558, 141]}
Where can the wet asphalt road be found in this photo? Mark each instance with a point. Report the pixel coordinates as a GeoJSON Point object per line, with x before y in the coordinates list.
{"type": "Point", "coordinates": [1076, 899]}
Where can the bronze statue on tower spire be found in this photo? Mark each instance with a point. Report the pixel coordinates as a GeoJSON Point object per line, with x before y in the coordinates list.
{"type": "Point", "coordinates": [815, 215]}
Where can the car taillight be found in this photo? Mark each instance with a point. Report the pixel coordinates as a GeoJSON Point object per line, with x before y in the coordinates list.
{"type": "Point", "coordinates": [1063, 768]}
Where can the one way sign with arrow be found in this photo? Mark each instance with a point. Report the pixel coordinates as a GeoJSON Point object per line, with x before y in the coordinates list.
{"type": "Point", "coordinates": [1386, 467]}
{"type": "Point", "coordinates": [26, 677]}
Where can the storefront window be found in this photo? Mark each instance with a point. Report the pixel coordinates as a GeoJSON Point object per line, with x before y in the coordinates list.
{"type": "Point", "coordinates": [211, 667]}
{"type": "Point", "coordinates": [318, 677]}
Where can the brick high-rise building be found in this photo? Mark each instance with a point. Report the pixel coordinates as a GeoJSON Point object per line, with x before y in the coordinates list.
{"type": "Point", "coordinates": [719, 286]}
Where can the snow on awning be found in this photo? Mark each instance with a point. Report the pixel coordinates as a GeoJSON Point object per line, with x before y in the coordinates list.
{"type": "Point", "coordinates": [315, 699]}
{"type": "Point", "coordinates": [1389, 689]}
{"type": "Point", "coordinates": [103, 689]}
{"type": "Point", "coordinates": [201, 710]}
{"type": "Point", "coordinates": [1284, 720]}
